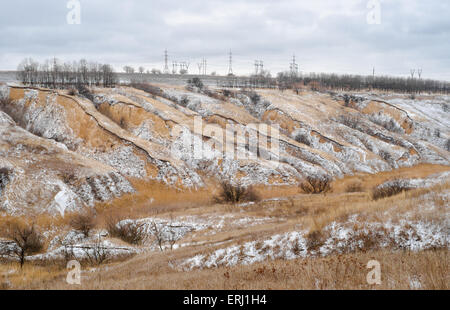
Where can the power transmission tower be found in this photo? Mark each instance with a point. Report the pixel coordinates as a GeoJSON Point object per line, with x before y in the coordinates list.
{"type": "Point", "coordinates": [259, 67]}
{"type": "Point", "coordinates": [230, 67]}
{"type": "Point", "coordinates": [200, 67]}
{"type": "Point", "coordinates": [419, 72]}
{"type": "Point", "coordinates": [166, 66]}
{"type": "Point", "coordinates": [373, 72]}
{"type": "Point", "coordinates": [204, 66]}
{"type": "Point", "coordinates": [413, 71]}
{"type": "Point", "coordinates": [294, 67]}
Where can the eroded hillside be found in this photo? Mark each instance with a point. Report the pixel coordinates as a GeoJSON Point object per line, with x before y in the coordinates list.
{"type": "Point", "coordinates": [74, 152]}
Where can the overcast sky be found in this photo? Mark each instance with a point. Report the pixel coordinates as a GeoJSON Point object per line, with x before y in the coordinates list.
{"type": "Point", "coordinates": [326, 36]}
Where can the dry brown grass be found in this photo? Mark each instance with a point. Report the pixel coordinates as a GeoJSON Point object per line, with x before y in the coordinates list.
{"type": "Point", "coordinates": [349, 271]}
{"type": "Point", "coordinates": [298, 211]}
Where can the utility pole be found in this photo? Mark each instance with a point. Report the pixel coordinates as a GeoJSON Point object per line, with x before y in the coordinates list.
{"type": "Point", "coordinates": [230, 66]}
{"type": "Point", "coordinates": [166, 58]}
{"type": "Point", "coordinates": [204, 66]}
{"type": "Point", "coordinates": [174, 67]}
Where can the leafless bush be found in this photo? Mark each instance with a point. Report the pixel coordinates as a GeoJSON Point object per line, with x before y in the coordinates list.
{"type": "Point", "coordinates": [354, 188]}
{"type": "Point", "coordinates": [303, 138]}
{"type": "Point", "coordinates": [132, 233]}
{"type": "Point", "coordinates": [349, 121]}
{"type": "Point", "coordinates": [27, 240]}
{"type": "Point", "coordinates": [314, 240]}
{"type": "Point", "coordinates": [85, 92]}
{"type": "Point", "coordinates": [148, 88]}
{"type": "Point", "coordinates": [447, 145]}
{"type": "Point", "coordinates": [316, 185]}
{"type": "Point", "coordinates": [84, 222]}
{"type": "Point", "coordinates": [389, 189]}
{"type": "Point", "coordinates": [96, 254]}
{"type": "Point", "coordinates": [234, 193]}
{"type": "Point", "coordinates": [158, 233]}
{"type": "Point", "coordinates": [195, 82]}
{"type": "Point", "coordinates": [5, 102]}
{"type": "Point", "coordinates": [72, 92]}
{"type": "Point", "coordinates": [5, 175]}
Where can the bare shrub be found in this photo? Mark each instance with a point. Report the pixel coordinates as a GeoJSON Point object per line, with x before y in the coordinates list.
{"type": "Point", "coordinates": [195, 82]}
{"type": "Point", "coordinates": [96, 254]}
{"type": "Point", "coordinates": [5, 102]}
{"type": "Point", "coordinates": [131, 232]}
{"type": "Point", "coordinates": [84, 222]}
{"type": "Point", "coordinates": [354, 188]}
{"type": "Point", "coordinates": [158, 233]}
{"type": "Point", "coordinates": [349, 121]}
{"type": "Point", "coordinates": [85, 92]}
{"type": "Point", "coordinates": [234, 193]}
{"type": "Point", "coordinates": [72, 92]}
{"type": "Point", "coordinates": [28, 240]}
{"type": "Point", "coordinates": [447, 145]}
{"type": "Point", "coordinates": [5, 175]}
{"type": "Point", "coordinates": [316, 185]}
{"type": "Point", "coordinates": [303, 138]}
{"type": "Point", "coordinates": [148, 88]}
{"type": "Point", "coordinates": [314, 240]}
{"type": "Point", "coordinates": [389, 189]}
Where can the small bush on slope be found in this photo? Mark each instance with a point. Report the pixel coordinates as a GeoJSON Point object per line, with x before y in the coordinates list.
{"type": "Point", "coordinates": [132, 233]}
{"type": "Point", "coordinates": [316, 185]}
{"type": "Point", "coordinates": [234, 193]}
{"type": "Point", "coordinates": [389, 189]}
{"type": "Point", "coordinates": [84, 222]}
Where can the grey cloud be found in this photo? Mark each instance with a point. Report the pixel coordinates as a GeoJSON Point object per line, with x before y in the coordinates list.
{"type": "Point", "coordinates": [331, 36]}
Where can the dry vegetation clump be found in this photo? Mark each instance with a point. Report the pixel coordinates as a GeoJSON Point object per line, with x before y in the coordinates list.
{"type": "Point", "coordinates": [72, 92]}
{"type": "Point", "coordinates": [84, 222]}
{"type": "Point", "coordinates": [354, 188]}
{"type": "Point", "coordinates": [132, 233]}
{"type": "Point", "coordinates": [148, 88]}
{"type": "Point", "coordinates": [316, 185]}
{"type": "Point", "coordinates": [27, 240]}
{"type": "Point", "coordinates": [389, 189]}
{"type": "Point", "coordinates": [314, 240]}
{"type": "Point", "coordinates": [5, 175]}
{"type": "Point", "coordinates": [5, 102]}
{"type": "Point", "coordinates": [235, 193]}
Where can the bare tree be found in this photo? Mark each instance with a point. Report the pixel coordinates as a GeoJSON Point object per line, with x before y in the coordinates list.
{"type": "Point", "coordinates": [141, 70]}
{"type": "Point", "coordinates": [128, 69]}
{"type": "Point", "coordinates": [84, 222]}
{"type": "Point", "coordinates": [26, 238]}
{"type": "Point", "coordinates": [158, 232]}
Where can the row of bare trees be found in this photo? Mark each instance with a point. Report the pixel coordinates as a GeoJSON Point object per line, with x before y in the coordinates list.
{"type": "Point", "coordinates": [55, 74]}
{"type": "Point", "coordinates": [359, 82]}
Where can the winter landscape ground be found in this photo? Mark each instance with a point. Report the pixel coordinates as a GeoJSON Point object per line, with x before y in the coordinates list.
{"type": "Point", "coordinates": [136, 183]}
